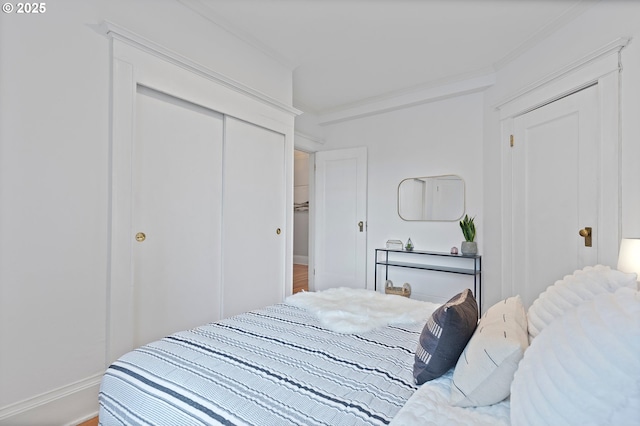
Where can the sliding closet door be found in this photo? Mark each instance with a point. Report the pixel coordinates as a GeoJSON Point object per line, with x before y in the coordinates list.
{"type": "Point", "coordinates": [253, 217]}
{"type": "Point", "coordinates": [177, 187]}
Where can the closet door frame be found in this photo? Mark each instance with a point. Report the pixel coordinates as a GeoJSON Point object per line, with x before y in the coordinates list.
{"type": "Point", "coordinates": [136, 61]}
{"type": "Point", "coordinates": [602, 68]}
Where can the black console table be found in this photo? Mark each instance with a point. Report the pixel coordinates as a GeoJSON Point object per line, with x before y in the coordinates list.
{"type": "Point", "coordinates": [469, 265]}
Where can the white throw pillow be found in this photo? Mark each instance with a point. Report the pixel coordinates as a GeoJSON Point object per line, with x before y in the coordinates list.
{"type": "Point", "coordinates": [484, 371]}
{"type": "Point", "coordinates": [584, 368]}
{"type": "Point", "coordinates": [574, 290]}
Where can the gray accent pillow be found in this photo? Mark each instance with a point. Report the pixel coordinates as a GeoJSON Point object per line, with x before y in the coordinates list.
{"type": "Point", "coordinates": [445, 336]}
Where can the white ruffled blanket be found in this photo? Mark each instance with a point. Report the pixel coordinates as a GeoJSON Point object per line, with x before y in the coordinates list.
{"type": "Point", "coordinates": [429, 406]}
{"type": "Point", "coordinates": [348, 310]}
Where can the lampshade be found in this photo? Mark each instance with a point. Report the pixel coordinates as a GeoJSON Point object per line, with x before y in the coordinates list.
{"type": "Point", "coordinates": [629, 257]}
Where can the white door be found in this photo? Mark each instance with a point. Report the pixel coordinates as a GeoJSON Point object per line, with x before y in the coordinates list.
{"type": "Point", "coordinates": [254, 217]}
{"type": "Point", "coordinates": [555, 191]}
{"type": "Point", "coordinates": [177, 184]}
{"type": "Point", "coordinates": [341, 219]}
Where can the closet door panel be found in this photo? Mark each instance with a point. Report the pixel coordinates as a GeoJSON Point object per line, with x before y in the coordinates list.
{"type": "Point", "coordinates": [555, 191]}
{"type": "Point", "coordinates": [177, 188]}
{"type": "Point", "coordinates": [253, 217]}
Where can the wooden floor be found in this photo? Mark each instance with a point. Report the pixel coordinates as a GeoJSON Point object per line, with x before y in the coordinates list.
{"type": "Point", "coordinates": [300, 278]}
{"type": "Point", "coordinates": [90, 422]}
{"type": "Point", "coordinates": [300, 283]}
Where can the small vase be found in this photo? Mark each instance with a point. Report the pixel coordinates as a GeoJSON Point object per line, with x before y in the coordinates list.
{"type": "Point", "coordinates": [469, 248]}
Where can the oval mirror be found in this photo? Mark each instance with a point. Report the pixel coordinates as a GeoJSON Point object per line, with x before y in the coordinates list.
{"type": "Point", "coordinates": [438, 198]}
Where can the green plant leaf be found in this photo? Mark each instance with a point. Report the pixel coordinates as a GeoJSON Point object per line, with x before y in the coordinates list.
{"type": "Point", "coordinates": [468, 228]}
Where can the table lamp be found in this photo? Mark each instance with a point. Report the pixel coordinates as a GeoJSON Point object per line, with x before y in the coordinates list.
{"type": "Point", "coordinates": [629, 256]}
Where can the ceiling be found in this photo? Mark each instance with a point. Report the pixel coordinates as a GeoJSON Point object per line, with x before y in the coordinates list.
{"type": "Point", "coordinates": [345, 53]}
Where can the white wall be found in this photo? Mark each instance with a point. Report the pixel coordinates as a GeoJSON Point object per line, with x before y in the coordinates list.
{"type": "Point", "coordinates": [54, 182]}
{"type": "Point", "coordinates": [416, 141]}
{"type": "Point", "coordinates": [438, 138]}
{"type": "Point", "coordinates": [54, 168]}
{"type": "Point", "coordinates": [598, 26]}
{"type": "Point", "coordinates": [395, 143]}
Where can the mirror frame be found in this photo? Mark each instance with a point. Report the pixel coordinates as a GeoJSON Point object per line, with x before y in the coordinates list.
{"type": "Point", "coordinates": [464, 199]}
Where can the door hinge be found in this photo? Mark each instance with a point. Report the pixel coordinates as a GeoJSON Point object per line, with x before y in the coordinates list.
{"type": "Point", "coordinates": [511, 141]}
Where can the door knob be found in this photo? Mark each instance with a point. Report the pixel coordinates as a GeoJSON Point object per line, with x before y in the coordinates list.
{"type": "Point", "coordinates": [140, 237]}
{"type": "Point", "coordinates": [586, 234]}
{"type": "Point", "coordinates": [361, 225]}
{"type": "Point", "coordinates": [278, 231]}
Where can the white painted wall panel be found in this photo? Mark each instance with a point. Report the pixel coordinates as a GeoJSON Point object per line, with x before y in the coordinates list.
{"type": "Point", "coordinates": [433, 139]}
{"type": "Point", "coordinates": [54, 180]}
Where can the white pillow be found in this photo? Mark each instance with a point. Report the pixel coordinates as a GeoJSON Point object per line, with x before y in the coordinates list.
{"type": "Point", "coordinates": [484, 371]}
{"type": "Point", "coordinates": [573, 290]}
{"type": "Point", "coordinates": [583, 368]}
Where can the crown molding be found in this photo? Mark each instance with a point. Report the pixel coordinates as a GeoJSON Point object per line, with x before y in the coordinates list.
{"type": "Point", "coordinates": [306, 142]}
{"type": "Point", "coordinates": [314, 139]}
{"type": "Point", "coordinates": [306, 108]}
{"type": "Point", "coordinates": [405, 99]}
{"type": "Point", "coordinates": [115, 31]}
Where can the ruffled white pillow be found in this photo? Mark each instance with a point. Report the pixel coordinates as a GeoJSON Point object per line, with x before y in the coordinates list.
{"type": "Point", "coordinates": [584, 368]}
{"type": "Point", "coordinates": [573, 290]}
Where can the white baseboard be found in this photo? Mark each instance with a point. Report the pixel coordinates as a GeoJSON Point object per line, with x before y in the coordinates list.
{"type": "Point", "coordinates": [300, 260]}
{"type": "Point", "coordinates": [68, 405]}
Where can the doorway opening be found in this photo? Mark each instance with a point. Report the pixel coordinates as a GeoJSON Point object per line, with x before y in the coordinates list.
{"type": "Point", "coordinates": [301, 222]}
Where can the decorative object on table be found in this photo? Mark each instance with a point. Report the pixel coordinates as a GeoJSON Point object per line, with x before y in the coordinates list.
{"type": "Point", "coordinates": [454, 250]}
{"type": "Point", "coordinates": [405, 290]}
{"type": "Point", "coordinates": [409, 246]}
{"type": "Point", "coordinates": [469, 246]}
{"type": "Point", "coordinates": [395, 244]}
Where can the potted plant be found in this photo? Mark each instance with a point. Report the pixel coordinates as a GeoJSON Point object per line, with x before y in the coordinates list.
{"type": "Point", "coordinates": [409, 246]}
{"type": "Point", "coordinates": [469, 246]}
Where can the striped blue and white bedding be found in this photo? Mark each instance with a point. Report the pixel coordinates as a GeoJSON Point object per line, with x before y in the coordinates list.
{"type": "Point", "coordinates": [274, 366]}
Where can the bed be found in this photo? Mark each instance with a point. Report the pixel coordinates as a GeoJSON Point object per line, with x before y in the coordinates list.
{"type": "Point", "coordinates": [343, 357]}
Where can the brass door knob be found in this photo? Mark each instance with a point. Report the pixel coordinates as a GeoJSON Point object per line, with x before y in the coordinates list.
{"type": "Point", "coordinates": [140, 237]}
{"type": "Point", "coordinates": [278, 231]}
{"type": "Point", "coordinates": [586, 234]}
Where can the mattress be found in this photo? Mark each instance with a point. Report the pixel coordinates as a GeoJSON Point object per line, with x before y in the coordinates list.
{"type": "Point", "coordinates": [274, 366]}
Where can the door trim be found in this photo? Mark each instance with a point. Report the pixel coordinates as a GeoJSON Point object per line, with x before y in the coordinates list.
{"type": "Point", "coordinates": [131, 67]}
{"type": "Point", "coordinates": [587, 69]}
{"type": "Point", "coordinates": [605, 72]}
{"type": "Point", "coordinates": [310, 145]}
{"type": "Point", "coordinates": [116, 31]}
